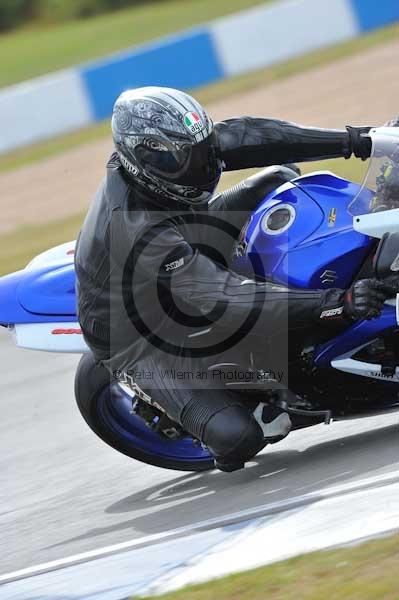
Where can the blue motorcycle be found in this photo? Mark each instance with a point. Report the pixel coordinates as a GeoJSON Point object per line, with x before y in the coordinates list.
{"type": "Point", "coordinates": [314, 232]}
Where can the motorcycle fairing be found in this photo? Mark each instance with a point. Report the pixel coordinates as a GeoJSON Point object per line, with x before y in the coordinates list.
{"type": "Point", "coordinates": [355, 337]}
{"type": "Point", "coordinates": [43, 292]}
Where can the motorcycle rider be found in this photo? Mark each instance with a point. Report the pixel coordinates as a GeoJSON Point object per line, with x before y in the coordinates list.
{"type": "Point", "coordinates": [168, 161]}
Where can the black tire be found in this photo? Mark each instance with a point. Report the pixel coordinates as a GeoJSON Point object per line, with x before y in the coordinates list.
{"type": "Point", "coordinates": [91, 383]}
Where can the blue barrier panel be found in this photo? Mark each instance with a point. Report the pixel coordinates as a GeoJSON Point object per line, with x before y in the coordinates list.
{"type": "Point", "coordinates": [375, 13]}
{"type": "Point", "coordinates": [182, 62]}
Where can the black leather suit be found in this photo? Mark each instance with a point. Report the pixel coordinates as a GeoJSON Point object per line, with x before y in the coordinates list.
{"type": "Point", "coordinates": [134, 249]}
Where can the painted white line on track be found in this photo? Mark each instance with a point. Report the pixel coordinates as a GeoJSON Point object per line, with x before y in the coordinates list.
{"type": "Point", "coordinates": [272, 473]}
{"type": "Point", "coordinates": [308, 485]}
{"type": "Point", "coordinates": [269, 492]}
{"type": "Point", "coordinates": [260, 511]}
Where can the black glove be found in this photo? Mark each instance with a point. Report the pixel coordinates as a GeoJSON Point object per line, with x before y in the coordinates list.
{"type": "Point", "coordinates": [365, 299]}
{"type": "Point", "coordinates": [359, 142]}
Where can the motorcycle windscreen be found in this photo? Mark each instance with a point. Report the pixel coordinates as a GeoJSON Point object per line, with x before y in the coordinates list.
{"type": "Point", "coordinates": [380, 189]}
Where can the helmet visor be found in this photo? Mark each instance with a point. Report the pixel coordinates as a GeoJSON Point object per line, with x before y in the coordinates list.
{"type": "Point", "coordinates": [198, 165]}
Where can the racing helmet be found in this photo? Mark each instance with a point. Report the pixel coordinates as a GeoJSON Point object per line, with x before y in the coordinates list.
{"type": "Point", "coordinates": [167, 143]}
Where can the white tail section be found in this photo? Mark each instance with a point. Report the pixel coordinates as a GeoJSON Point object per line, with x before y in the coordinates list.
{"type": "Point", "coordinates": [54, 255]}
{"type": "Point", "coordinates": [51, 337]}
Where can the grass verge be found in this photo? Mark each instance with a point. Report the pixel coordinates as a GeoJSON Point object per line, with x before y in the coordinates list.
{"type": "Point", "coordinates": [17, 248]}
{"type": "Point", "coordinates": [365, 572]}
{"type": "Point", "coordinates": [38, 49]}
{"type": "Point", "coordinates": [207, 95]}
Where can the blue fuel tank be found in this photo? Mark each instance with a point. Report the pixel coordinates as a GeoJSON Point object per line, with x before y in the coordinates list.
{"type": "Point", "coordinates": [302, 235]}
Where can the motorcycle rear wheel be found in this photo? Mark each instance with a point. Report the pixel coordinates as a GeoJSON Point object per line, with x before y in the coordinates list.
{"type": "Point", "coordinates": [106, 408]}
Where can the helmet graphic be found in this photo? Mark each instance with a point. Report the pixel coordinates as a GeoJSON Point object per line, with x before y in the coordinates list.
{"type": "Point", "coordinates": [166, 142]}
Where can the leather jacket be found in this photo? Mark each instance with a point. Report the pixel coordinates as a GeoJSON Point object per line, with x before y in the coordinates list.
{"type": "Point", "coordinates": [142, 267]}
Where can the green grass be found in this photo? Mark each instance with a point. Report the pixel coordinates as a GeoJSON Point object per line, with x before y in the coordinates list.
{"type": "Point", "coordinates": [206, 95]}
{"type": "Point", "coordinates": [18, 247]}
{"type": "Point", "coordinates": [38, 49]}
{"type": "Point", "coordinates": [365, 572]}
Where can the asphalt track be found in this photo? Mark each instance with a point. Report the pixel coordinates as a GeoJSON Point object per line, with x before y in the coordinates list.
{"type": "Point", "coordinates": [63, 491]}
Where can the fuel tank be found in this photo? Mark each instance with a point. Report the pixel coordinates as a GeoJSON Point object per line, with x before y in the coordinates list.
{"type": "Point", "coordinates": [302, 235]}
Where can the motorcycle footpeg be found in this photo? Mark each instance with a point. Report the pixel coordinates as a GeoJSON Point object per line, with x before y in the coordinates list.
{"type": "Point", "coordinates": [326, 415]}
{"type": "Point", "coordinates": [283, 403]}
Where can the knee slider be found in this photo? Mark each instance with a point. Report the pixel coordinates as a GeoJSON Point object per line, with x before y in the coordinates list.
{"type": "Point", "coordinates": [233, 434]}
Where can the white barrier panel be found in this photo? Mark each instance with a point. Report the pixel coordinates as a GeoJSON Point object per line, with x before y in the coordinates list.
{"type": "Point", "coordinates": [42, 108]}
{"type": "Point", "coordinates": [270, 34]}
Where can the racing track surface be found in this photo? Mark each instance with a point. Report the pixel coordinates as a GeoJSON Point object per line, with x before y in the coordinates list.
{"type": "Point", "coordinates": [63, 491]}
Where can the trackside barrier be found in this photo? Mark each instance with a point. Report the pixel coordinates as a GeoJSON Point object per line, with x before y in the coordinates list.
{"type": "Point", "coordinates": [264, 35]}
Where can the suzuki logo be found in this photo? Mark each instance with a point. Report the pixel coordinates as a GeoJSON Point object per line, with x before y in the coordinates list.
{"type": "Point", "coordinates": [328, 277]}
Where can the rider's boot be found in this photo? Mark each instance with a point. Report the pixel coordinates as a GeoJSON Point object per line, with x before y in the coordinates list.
{"type": "Point", "coordinates": [274, 422]}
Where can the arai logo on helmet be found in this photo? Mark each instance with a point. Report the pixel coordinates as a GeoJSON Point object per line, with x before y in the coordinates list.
{"type": "Point", "coordinates": [193, 123]}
